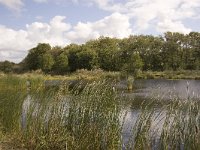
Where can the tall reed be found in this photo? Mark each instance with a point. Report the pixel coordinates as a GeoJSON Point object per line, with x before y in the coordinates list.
{"type": "Point", "coordinates": [87, 119]}
{"type": "Point", "coordinates": [91, 117]}
{"type": "Point", "coordinates": [12, 94]}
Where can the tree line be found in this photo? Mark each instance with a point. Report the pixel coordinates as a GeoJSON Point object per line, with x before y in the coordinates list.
{"type": "Point", "coordinates": [172, 51]}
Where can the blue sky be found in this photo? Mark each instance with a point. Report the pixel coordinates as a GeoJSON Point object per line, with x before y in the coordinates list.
{"type": "Point", "coordinates": [25, 23]}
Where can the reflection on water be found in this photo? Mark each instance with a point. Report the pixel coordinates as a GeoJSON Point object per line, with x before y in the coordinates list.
{"type": "Point", "coordinates": [25, 109]}
{"type": "Point", "coordinates": [166, 89]}
{"type": "Point", "coordinates": [159, 89]}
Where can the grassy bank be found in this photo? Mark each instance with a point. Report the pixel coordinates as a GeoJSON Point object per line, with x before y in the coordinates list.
{"type": "Point", "coordinates": [100, 74]}
{"type": "Point", "coordinates": [78, 75]}
{"type": "Point", "coordinates": [184, 74]}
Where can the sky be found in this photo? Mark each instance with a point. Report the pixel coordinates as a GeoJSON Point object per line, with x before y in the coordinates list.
{"type": "Point", "coordinates": [25, 23]}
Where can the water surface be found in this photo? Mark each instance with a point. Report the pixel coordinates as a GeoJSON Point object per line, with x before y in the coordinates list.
{"type": "Point", "coordinates": [166, 89]}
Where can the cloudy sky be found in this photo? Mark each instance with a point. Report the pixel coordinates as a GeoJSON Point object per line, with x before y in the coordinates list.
{"type": "Point", "coordinates": [24, 23]}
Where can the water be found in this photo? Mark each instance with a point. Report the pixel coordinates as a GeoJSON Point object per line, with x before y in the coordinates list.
{"type": "Point", "coordinates": [166, 89]}
{"type": "Point", "coordinates": [159, 89]}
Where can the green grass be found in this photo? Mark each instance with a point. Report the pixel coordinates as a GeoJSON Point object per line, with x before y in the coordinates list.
{"type": "Point", "coordinates": [181, 74]}
{"type": "Point", "coordinates": [91, 118]}
{"type": "Point", "coordinates": [12, 94]}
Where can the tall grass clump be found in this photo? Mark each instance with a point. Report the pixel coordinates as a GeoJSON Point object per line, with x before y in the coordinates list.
{"type": "Point", "coordinates": [12, 94]}
{"type": "Point", "coordinates": [181, 126]}
{"type": "Point", "coordinates": [174, 125]}
{"type": "Point", "coordinates": [82, 119]}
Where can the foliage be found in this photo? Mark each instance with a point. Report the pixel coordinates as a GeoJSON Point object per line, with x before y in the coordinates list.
{"type": "Point", "coordinates": [172, 51]}
{"type": "Point", "coordinates": [134, 65]}
{"type": "Point", "coordinates": [46, 62]}
{"type": "Point", "coordinates": [6, 66]}
{"type": "Point", "coordinates": [33, 59]}
{"type": "Point", "coordinates": [61, 63]}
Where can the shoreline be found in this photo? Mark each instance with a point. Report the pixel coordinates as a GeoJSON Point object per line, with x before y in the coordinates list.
{"type": "Point", "coordinates": [100, 74]}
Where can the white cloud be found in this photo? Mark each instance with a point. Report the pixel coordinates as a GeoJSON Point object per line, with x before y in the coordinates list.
{"type": "Point", "coordinates": [169, 25]}
{"type": "Point", "coordinates": [115, 25]}
{"type": "Point", "coordinates": [12, 39]}
{"type": "Point", "coordinates": [53, 33]}
{"type": "Point", "coordinates": [15, 5]}
{"type": "Point", "coordinates": [14, 44]}
{"type": "Point", "coordinates": [144, 12]}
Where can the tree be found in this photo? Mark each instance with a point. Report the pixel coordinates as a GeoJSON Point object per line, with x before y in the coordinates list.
{"type": "Point", "coordinates": [33, 59]}
{"type": "Point", "coordinates": [72, 52]}
{"type": "Point", "coordinates": [172, 51]}
{"type": "Point", "coordinates": [87, 58]}
{"type": "Point", "coordinates": [134, 65]}
{"type": "Point", "coordinates": [6, 66]}
{"type": "Point", "coordinates": [46, 62]}
{"type": "Point", "coordinates": [61, 63]}
{"type": "Point", "coordinates": [108, 50]}
{"type": "Point", "coordinates": [194, 44]}
{"type": "Point", "coordinates": [56, 51]}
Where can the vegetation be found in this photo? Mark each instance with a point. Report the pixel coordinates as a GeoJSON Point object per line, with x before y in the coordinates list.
{"type": "Point", "coordinates": [86, 111]}
{"type": "Point", "coordinates": [93, 117]}
{"type": "Point", "coordinates": [172, 51]}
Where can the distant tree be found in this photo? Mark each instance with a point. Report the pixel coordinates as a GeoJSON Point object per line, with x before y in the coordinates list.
{"type": "Point", "coordinates": [33, 59]}
{"type": "Point", "coordinates": [87, 58]}
{"type": "Point", "coordinates": [108, 50]}
{"type": "Point", "coordinates": [72, 51]}
{"type": "Point", "coordinates": [61, 63]}
{"type": "Point", "coordinates": [56, 51]}
{"type": "Point", "coordinates": [134, 65]}
{"type": "Point", "coordinates": [46, 62]}
{"type": "Point", "coordinates": [194, 51]}
{"type": "Point", "coordinates": [172, 51]}
{"type": "Point", "coordinates": [6, 66]}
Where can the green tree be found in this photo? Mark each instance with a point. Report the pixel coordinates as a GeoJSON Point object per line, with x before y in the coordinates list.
{"type": "Point", "coordinates": [194, 50]}
{"type": "Point", "coordinates": [6, 66]}
{"type": "Point", "coordinates": [56, 51]}
{"type": "Point", "coordinates": [134, 65]}
{"type": "Point", "coordinates": [108, 53]}
{"type": "Point", "coordinates": [172, 51]}
{"type": "Point", "coordinates": [61, 63]}
{"type": "Point", "coordinates": [87, 58]}
{"type": "Point", "coordinates": [72, 52]}
{"type": "Point", "coordinates": [33, 59]}
{"type": "Point", "coordinates": [46, 62]}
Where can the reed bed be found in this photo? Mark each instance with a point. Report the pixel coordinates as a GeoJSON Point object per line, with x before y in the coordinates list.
{"type": "Point", "coordinates": [92, 118]}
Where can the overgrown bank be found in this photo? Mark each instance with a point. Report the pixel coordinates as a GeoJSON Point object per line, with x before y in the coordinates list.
{"type": "Point", "coordinates": [100, 74]}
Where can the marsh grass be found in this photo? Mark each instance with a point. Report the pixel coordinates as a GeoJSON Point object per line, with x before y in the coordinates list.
{"type": "Point", "coordinates": [173, 126]}
{"type": "Point", "coordinates": [91, 118]}
{"type": "Point", "coordinates": [83, 120]}
{"type": "Point", "coordinates": [12, 94]}
{"type": "Point", "coordinates": [179, 74]}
